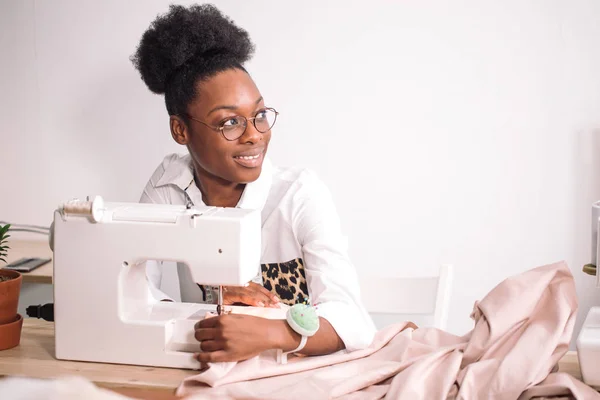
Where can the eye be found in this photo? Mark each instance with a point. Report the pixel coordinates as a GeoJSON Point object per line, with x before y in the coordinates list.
{"type": "Point", "coordinates": [261, 114]}
{"type": "Point", "coordinates": [228, 123]}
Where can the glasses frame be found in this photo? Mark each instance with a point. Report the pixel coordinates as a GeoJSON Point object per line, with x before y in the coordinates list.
{"type": "Point", "coordinates": [246, 119]}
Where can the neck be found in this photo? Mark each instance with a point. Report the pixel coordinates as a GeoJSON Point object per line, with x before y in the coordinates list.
{"type": "Point", "coordinates": [215, 191]}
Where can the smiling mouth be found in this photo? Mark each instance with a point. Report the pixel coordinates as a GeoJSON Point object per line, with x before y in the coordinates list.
{"type": "Point", "coordinates": [250, 161]}
{"type": "Point", "coordinates": [248, 157]}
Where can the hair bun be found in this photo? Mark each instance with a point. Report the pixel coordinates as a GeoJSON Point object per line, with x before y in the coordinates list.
{"type": "Point", "coordinates": [185, 36]}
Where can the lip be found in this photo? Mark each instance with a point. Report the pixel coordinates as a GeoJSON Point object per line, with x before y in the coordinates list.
{"type": "Point", "coordinates": [259, 155]}
{"type": "Point", "coordinates": [251, 152]}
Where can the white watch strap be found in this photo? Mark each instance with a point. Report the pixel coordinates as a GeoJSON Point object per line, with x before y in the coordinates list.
{"type": "Point", "coordinates": [282, 357]}
{"type": "Point", "coordinates": [301, 345]}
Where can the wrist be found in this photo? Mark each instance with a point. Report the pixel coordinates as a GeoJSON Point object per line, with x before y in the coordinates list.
{"type": "Point", "coordinates": [282, 336]}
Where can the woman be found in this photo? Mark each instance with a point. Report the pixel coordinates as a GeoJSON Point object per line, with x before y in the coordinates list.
{"type": "Point", "coordinates": [195, 56]}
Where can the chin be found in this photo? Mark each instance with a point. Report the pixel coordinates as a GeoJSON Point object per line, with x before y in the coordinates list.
{"type": "Point", "coordinates": [248, 176]}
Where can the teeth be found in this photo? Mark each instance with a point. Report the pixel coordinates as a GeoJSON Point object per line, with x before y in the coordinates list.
{"type": "Point", "coordinates": [248, 157]}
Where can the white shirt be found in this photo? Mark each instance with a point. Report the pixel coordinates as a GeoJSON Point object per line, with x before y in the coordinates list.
{"type": "Point", "coordinates": [300, 224]}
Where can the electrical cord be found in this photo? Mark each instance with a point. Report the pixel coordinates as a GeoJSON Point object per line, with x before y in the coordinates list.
{"type": "Point", "coordinates": [28, 230]}
{"type": "Point", "coordinates": [45, 311]}
{"type": "Point", "coordinates": [42, 230]}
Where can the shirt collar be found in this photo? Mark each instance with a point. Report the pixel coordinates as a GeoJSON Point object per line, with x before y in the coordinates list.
{"type": "Point", "coordinates": [180, 174]}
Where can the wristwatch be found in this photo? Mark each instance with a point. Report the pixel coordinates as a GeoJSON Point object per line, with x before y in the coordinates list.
{"type": "Point", "coordinates": [303, 319]}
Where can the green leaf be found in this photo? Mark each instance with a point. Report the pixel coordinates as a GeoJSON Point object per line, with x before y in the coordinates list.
{"type": "Point", "coordinates": [3, 260]}
{"type": "Point", "coordinates": [4, 229]}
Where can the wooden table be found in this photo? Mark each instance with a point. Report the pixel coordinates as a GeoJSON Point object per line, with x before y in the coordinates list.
{"type": "Point", "coordinates": [34, 357]}
{"type": "Point", "coordinates": [20, 248]}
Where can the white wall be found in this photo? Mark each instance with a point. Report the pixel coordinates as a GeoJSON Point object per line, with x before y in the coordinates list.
{"type": "Point", "coordinates": [463, 133]}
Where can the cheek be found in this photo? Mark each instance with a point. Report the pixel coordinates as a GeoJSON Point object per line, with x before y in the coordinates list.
{"type": "Point", "coordinates": [212, 155]}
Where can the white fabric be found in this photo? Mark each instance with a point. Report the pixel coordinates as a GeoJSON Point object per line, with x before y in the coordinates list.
{"type": "Point", "coordinates": [299, 220]}
{"type": "Point", "coordinates": [68, 387]}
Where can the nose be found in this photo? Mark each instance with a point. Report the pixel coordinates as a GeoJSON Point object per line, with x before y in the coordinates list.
{"type": "Point", "coordinates": [251, 134]}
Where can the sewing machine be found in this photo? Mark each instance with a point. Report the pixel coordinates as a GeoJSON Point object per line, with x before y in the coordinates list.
{"type": "Point", "coordinates": [102, 308]}
{"type": "Point", "coordinates": [588, 342]}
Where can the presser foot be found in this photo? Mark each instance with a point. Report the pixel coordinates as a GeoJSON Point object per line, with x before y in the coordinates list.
{"type": "Point", "coordinates": [221, 309]}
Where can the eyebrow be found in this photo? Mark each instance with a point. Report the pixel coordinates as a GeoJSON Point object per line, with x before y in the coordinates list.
{"type": "Point", "coordinates": [232, 108]}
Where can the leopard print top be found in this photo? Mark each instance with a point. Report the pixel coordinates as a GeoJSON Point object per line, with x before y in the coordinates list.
{"type": "Point", "coordinates": [287, 280]}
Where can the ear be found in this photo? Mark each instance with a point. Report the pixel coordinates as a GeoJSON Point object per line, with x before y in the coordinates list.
{"type": "Point", "coordinates": [179, 130]}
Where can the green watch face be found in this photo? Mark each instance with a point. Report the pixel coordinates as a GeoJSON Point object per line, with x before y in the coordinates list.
{"type": "Point", "coordinates": [305, 316]}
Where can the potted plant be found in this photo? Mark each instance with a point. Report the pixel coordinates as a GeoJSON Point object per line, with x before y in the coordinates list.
{"type": "Point", "coordinates": [10, 289]}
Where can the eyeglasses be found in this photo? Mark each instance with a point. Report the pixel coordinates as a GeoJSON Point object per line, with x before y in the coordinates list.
{"type": "Point", "coordinates": [232, 128]}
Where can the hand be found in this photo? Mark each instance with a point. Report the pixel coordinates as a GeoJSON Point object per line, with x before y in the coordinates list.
{"type": "Point", "coordinates": [233, 337]}
{"type": "Point", "coordinates": [251, 295]}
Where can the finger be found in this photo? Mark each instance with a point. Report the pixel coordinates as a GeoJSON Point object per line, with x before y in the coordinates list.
{"type": "Point", "coordinates": [270, 295]}
{"type": "Point", "coordinates": [250, 296]}
{"type": "Point", "coordinates": [213, 356]}
{"type": "Point", "coordinates": [206, 323]}
{"type": "Point", "coordinates": [211, 345]}
{"type": "Point", "coordinates": [271, 299]}
{"type": "Point", "coordinates": [256, 298]}
{"type": "Point", "coordinates": [236, 294]}
{"type": "Point", "coordinates": [202, 334]}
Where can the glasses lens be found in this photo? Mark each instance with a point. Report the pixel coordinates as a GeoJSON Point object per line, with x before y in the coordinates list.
{"type": "Point", "coordinates": [234, 128]}
{"type": "Point", "coordinates": [265, 120]}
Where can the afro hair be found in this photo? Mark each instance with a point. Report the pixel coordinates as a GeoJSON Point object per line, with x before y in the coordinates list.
{"type": "Point", "coordinates": [186, 45]}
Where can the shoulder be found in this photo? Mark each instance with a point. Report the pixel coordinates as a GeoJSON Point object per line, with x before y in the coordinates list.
{"type": "Point", "coordinates": [174, 169]}
{"type": "Point", "coordinates": [172, 173]}
{"type": "Point", "coordinates": [298, 181]}
{"type": "Point", "coordinates": [171, 166]}
{"type": "Point", "coordinates": [306, 204]}
{"type": "Point", "coordinates": [300, 192]}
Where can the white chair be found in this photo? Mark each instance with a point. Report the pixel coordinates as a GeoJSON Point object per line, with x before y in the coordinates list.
{"type": "Point", "coordinates": [423, 300]}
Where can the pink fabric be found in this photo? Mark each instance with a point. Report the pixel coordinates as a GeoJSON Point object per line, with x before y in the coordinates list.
{"type": "Point", "coordinates": [522, 329]}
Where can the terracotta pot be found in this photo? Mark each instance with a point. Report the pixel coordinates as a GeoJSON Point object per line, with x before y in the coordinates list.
{"type": "Point", "coordinates": [10, 334]}
{"type": "Point", "coordinates": [9, 296]}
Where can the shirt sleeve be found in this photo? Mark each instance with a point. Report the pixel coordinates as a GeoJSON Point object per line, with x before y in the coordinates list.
{"type": "Point", "coordinates": [331, 277]}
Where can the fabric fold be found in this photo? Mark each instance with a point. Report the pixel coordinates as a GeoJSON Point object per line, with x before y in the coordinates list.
{"type": "Point", "coordinates": [522, 329]}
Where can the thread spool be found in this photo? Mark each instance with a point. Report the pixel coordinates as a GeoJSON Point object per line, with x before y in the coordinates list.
{"type": "Point", "coordinates": [86, 208]}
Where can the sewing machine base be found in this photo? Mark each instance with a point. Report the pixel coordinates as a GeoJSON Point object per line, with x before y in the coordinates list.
{"type": "Point", "coordinates": [588, 348]}
{"type": "Point", "coordinates": [174, 324]}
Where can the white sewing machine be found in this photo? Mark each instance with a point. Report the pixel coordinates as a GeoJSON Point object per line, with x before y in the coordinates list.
{"type": "Point", "coordinates": [588, 341]}
{"type": "Point", "coordinates": [102, 309]}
